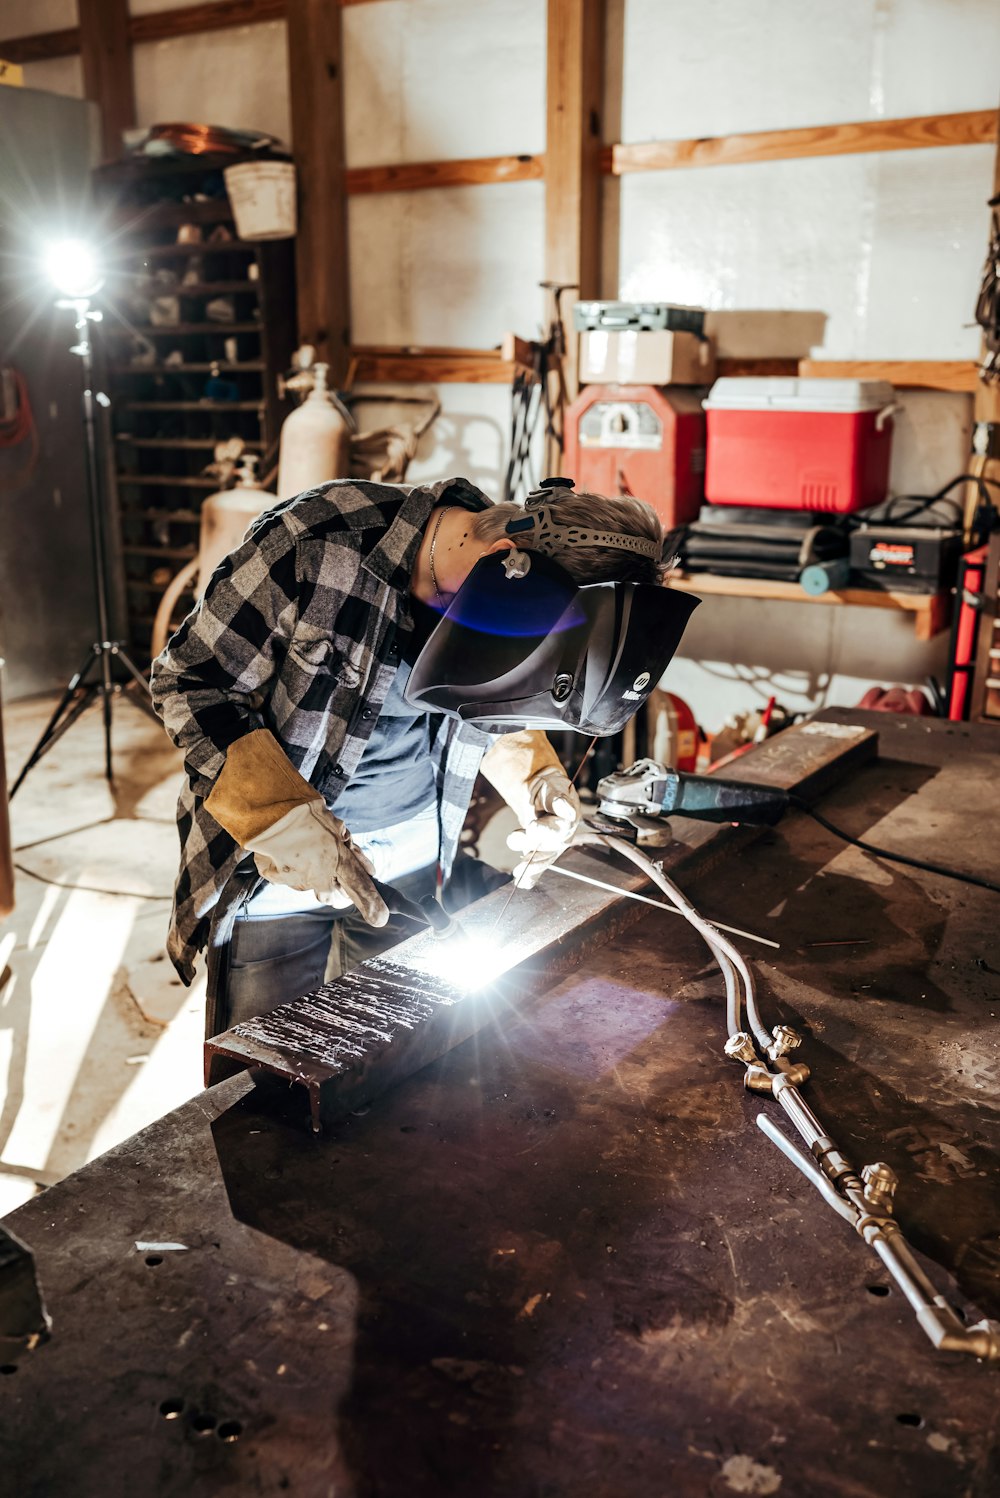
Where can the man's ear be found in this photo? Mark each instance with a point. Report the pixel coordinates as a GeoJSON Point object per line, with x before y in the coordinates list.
{"type": "Point", "coordinates": [505, 543]}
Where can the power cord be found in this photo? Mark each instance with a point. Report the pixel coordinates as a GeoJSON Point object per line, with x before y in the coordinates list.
{"type": "Point", "coordinates": [90, 889]}
{"type": "Point", "coordinates": [913, 863]}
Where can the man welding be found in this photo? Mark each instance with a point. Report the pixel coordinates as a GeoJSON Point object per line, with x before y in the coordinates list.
{"type": "Point", "coordinates": [349, 670]}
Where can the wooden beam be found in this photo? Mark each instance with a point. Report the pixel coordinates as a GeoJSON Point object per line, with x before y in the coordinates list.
{"type": "Point", "coordinates": [373, 364]}
{"type": "Point", "coordinates": [213, 15]}
{"type": "Point", "coordinates": [907, 374]}
{"type": "Point", "coordinates": [412, 176]}
{"type": "Point", "coordinates": [574, 98]}
{"type": "Point", "coordinates": [317, 100]}
{"type": "Point", "coordinates": [107, 68]}
{"type": "Point", "coordinates": [773, 365]}
{"type": "Point", "coordinates": [405, 365]}
{"type": "Point", "coordinates": [973, 127]}
{"type": "Point", "coordinates": [41, 45]}
{"type": "Point", "coordinates": [156, 26]}
{"type": "Point", "coordinates": [515, 350]}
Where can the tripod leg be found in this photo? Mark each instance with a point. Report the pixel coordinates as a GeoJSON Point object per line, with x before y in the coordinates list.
{"type": "Point", "coordinates": [130, 666]}
{"type": "Point", "coordinates": [49, 734]}
{"type": "Point", "coordinates": [79, 707]}
{"type": "Point", "coordinates": [106, 689]}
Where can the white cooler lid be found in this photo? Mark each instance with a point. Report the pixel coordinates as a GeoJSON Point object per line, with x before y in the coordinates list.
{"type": "Point", "coordinates": [776, 393]}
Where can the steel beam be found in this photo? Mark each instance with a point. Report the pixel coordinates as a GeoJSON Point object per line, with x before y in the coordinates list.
{"type": "Point", "coordinates": [351, 1039]}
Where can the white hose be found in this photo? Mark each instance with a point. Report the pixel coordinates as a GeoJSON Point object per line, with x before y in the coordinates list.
{"type": "Point", "coordinates": [726, 955]}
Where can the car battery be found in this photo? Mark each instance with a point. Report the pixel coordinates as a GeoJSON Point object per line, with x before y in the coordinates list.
{"type": "Point", "coordinates": [905, 558]}
{"type": "Point", "coordinates": [642, 441]}
{"type": "Point", "coordinates": [637, 317]}
{"type": "Point", "coordinates": [799, 444]}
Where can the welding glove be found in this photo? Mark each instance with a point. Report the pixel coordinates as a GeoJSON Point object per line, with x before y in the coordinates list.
{"type": "Point", "coordinates": [271, 810]}
{"type": "Point", "coordinates": [525, 769]}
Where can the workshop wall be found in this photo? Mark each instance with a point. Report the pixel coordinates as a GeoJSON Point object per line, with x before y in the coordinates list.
{"type": "Point", "coordinates": [452, 266]}
{"type": "Point", "coordinates": [60, 75]}
{"type": "Point", "coordinates": [866, 256]}
{"type": "Point", "coordinates": [881, 254]}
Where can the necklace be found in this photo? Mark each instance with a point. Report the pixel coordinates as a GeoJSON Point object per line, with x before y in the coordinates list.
{"type": "Point", "coordinates": [434, 582]}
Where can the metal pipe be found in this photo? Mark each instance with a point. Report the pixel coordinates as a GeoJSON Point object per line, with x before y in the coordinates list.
{"type": "Point", "coordinates": [710, 934]}
{"type": "Point", "coordinates": [803, 1163]}
{"type": "Point", "coordinates": [826, 1168]}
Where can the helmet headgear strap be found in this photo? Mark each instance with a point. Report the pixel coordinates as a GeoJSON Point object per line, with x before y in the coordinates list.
{"type": "Point", "coordinates": [548, 533]}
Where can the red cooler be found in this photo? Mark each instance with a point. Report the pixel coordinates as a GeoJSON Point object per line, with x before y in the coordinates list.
{"type": "Point", "coordinates": [790, 444]}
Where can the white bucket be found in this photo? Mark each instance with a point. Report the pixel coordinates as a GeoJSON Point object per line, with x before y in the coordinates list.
{"type": "Point", "coordinates": [262, 194]}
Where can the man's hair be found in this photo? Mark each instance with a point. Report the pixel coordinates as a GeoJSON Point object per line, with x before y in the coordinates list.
{"type": "Point", "coordinates": [587, 564]}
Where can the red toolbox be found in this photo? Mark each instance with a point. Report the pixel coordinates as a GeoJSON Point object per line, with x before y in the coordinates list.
{"type": "Point", "coordinates": [799, 444]}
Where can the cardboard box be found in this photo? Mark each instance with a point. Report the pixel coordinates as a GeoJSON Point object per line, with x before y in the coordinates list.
{"type": "Point", "coordinates": [645, 358]}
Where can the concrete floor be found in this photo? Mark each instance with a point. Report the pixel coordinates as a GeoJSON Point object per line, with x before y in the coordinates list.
{"type": "Point", "coordinates": [98, 1036]}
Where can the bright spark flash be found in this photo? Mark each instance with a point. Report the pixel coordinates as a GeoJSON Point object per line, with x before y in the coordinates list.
{"type": "Point", "coordinates": [468, 962]}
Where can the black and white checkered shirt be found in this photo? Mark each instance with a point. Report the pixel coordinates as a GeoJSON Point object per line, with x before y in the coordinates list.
{"type": "Point", "coordinates": [297, 633]}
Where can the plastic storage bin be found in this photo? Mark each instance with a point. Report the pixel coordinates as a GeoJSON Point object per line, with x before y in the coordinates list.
{"type": "Point", "coordinates": [799, 444]}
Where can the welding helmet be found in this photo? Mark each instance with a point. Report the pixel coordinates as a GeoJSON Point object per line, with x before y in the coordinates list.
{"type": "Point", "coordinates": [534, 649]}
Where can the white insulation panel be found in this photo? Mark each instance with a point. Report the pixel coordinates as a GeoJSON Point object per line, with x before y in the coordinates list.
{"type": "Point", "coordinates": [719, 68]}
{"type": "Point", "coordinates": [57, 75]}
{"type": "Point", "coordinates": [22, 17]}
{"type": "Point", "coordinates": [886, 247]}
{"type": "Point", "coordinates": [429, 80]}
{"type": "Point", "coordinates": [455, 267]}
{"type": "Point", "coordinates": [237, 77]}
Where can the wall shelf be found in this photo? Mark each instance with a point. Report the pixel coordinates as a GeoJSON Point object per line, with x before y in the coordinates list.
{"type": "Point", "coordinates": [930, 611]}
{"type": "Point", "coordinates": [179, 444]}
{"type": "Point", "coordinates": [179, 329]}
{"type": "Point", "coordinates": [253, 366]}
{"type": "Point", "coordinates": [162, 432]}
{"type": "Point", "coordinates": [208, 408]}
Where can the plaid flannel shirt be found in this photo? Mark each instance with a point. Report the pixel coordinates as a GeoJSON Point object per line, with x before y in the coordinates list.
{"type": "Point", "coordinates": [297, 633]}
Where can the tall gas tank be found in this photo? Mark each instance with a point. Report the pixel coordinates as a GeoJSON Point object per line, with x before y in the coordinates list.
{"type": "Point", "coordinates": [225, 517]}
{"type": "Point", "coordinates": [315, 441]}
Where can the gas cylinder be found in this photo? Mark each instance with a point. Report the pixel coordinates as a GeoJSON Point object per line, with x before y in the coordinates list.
{"type": "Point", "coordinates": [315, 440]}
{"type": "Point", "coordinates": [672, 734]}
{"type": "Point", "coordinates": [225, 517]}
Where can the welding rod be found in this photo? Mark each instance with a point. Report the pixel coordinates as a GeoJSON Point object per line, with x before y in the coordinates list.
{"type": "Point", "coordinates": [615, 889]}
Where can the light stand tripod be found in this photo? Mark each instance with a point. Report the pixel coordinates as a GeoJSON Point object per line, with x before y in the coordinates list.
{"type": "Point", "coordinates": [80, 692]}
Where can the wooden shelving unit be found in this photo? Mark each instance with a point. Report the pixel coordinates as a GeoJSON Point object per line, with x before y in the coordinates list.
{"type": "Point", "coordinates": [223, 307]}
{"type": "Point", "coordinates": [930, 611]}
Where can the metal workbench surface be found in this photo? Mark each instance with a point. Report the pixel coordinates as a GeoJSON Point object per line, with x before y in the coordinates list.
{"type": "Point", "coordinates": [562, 1259]}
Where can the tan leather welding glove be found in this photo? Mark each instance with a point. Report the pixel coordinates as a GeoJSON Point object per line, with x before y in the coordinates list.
{"type": "Point", "coordinates": [527, 772]}
{"type": "Point", "coordinates": [271, 810]}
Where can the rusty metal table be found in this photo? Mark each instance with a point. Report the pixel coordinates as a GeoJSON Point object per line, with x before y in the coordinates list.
{"type": "Point", "coordinates": [562, 1260]}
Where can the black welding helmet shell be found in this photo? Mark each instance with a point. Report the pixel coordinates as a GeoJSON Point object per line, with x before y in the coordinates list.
{"type": "Point", "coordinates": [541, 651]}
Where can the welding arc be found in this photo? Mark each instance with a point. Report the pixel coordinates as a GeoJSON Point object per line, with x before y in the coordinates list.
{"type": "Point", "coordinates": [616, 889]}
